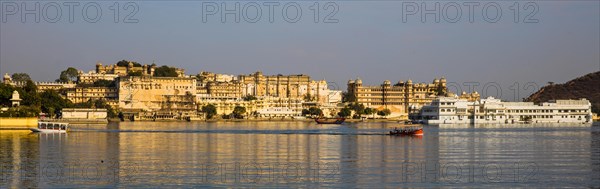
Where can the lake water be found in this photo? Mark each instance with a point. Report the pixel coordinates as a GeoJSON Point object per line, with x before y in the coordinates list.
{"type": "Point", "coordinates": [300, 154]}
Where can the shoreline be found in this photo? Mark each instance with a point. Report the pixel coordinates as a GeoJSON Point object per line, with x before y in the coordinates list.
{"type": "Point", "coordinates": [263, 120]}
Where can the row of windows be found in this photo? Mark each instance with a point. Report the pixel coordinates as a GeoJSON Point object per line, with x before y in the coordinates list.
{"type": "Point", "coordinates": [544, 111]}
{"type": "Point", "coordinates": [159, 87]}
{"type": "Point", "coordinates": [401, 90]}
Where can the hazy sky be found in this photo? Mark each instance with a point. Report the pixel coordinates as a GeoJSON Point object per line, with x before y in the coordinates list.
{"type": "Point", "coordinates": [370, 40]}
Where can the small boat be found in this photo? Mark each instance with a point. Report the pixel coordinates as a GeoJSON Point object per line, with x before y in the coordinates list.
{"type": "Point", "coordinates": [407, 131]}
{"type": "Point", "coordinates": [330, 120]}
{"type": "Point", "coordinates": [51, 127]}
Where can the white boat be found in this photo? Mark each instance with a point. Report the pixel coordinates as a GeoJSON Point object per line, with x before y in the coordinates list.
{"type": "Point", "coordinates": [51, 127]}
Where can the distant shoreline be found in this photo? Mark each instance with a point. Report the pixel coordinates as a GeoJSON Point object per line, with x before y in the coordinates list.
{"type": "Point", "coordinates": [263, 120]}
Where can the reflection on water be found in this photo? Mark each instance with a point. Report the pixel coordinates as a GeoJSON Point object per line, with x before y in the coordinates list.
{"type": "Point", "coordinates": [152, 154]}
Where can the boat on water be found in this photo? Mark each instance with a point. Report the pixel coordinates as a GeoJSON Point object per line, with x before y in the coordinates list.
{"type": "Point", "coordinates": [408, 131]}
{"type": "Point", "coordinates": [51, 127]}
{"type": "Point", "coordinates": [330, 120]}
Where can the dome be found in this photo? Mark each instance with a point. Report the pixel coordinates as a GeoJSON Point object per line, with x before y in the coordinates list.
{"type": "Point", "coordinates": [6, 76]}
{"type": "Point", "coordinates": [400, 81]}
{"type": "Point", "coordinates": [358, 81]}
{"type": "Point", "coordinates": [436, 80]}
{"type": "Point", "coordinates": [387, 82]}
{"type": "Point", "coordinates": [409, 81]}
{"type": "Point", "coordinates": [443, 80]}
{"type": "Point", "coordinates": [350, 81]}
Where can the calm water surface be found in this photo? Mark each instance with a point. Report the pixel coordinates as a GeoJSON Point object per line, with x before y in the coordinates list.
{"type": "Point", "coordinates": [300, 154]}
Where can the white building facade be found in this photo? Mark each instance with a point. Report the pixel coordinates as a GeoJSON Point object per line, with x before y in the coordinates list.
{"type": "Point", "coordinates": [490, 110]}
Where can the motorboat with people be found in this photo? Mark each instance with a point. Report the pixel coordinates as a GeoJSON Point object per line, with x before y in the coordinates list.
{"type": "Point", "coordinates": [407, 131]}
{"type": "Point", "coordinates": [51, 127]}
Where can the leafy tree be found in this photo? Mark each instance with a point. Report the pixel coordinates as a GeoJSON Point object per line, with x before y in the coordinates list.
{"type": "Point", "coordinates": [29, 95]}
{"type": "Point", "coordinates": [345, 112]}
{"type": "Point", "coordinates": [347, 97]}
{"type": "Point", "coordinates": [20, 77]}
{"type": "Point", "coordinates": [305, 112]}
{"type": "Point", "coordinates": [104, 83]}
{"type": "Point", "coordinates": [210, 111]}
{"type": "Point", "coordinates": [21, 111]}
{"type": "Point", "coordinates": [238, 112]}
{"type": "Point", "coordinates": [68, 75]}
{"type": "Point", "coordinates": [358, 108]}
{"type": "Point", "coordinates": [6, 92]}
{"type": "Point", "coordinates": [126, 63]}
{"type": "Point", "coordinates": [165, 71]}
{"type": "Point", "coordinates": [99, 83]}
{"type": "Point", "coordinates": [52, 102]}
{"type": "Point", "coordinates": [369, 111]}
{"type": "Point", "coordinates": [250, 98]}
{"type": "Point", "coordinates": [101, 103]}
{"type": "Point", "coordinates": [315, 111]}
{"type": "Point", "coordinates": [384, 112]}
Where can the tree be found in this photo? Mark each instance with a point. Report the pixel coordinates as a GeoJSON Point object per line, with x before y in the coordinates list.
{"type": "Point", "coordinates": [249, 98]}
{"type": "Point", "coordinates": [52, 102]}
{"type": "Point", "coordinates": [125, 63]}
{"type": "Point", "coordinates": [347, 97]}
{"type": "Point", "coordinates": [20, 77]}
{"type": "Point", "coordinates": [314, 111]}
{"type": "Point", "coordinates": [369, 111]}
{"type": "Point", "coordinates": [305, 112]}
{"type": "Point", "coordinates": [210, 111]}
{"type": "Point", "coordinates": [105, 83]}
{"type": "Point", "coordinates": [345, 112]}
{"type": "Point", "coordinates": [29, 95]}
{"type": "Point", "coordinates": [6, 92]}
{"type": "Point", "coordinates": [165, 71]}
{"type": "Point", "coordinates": [99, 83]}
{"type": "Point", "coordinates": [238, 112]}
{"type": "Point", "coordinates": [68, 75]}
{"type": "Point", "coordinates": [358, 108]}
{"type": "Point", "coordinates": [21, 111]}
{"type": "Point", "coordinates": [101, 103]}
{"type": "Point", "coordinates": [384, 112]}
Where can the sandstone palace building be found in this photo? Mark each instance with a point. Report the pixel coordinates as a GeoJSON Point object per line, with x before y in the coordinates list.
{"type": "Point", "coordinates": [402, 98]}
{"type": "Point", "coordinates": [286, 86]}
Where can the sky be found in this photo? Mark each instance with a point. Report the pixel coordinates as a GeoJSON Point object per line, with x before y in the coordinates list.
{"type": "Point", "coordinates": [550, 41]}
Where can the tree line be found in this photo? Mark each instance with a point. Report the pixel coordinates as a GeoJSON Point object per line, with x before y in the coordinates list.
{"type": "Point", "coordinates": [34, 102]}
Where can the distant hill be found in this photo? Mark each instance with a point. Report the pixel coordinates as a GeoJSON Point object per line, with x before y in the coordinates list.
{"type": "Point", "coordinates": [587, 86]}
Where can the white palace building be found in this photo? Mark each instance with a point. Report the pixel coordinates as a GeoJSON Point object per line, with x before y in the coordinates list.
{"type": "Point", "coordinates": [490, 110]}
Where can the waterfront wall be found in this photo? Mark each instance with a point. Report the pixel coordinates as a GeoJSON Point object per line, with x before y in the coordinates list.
{"type": "Point", "coordinates": [18, 122]}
